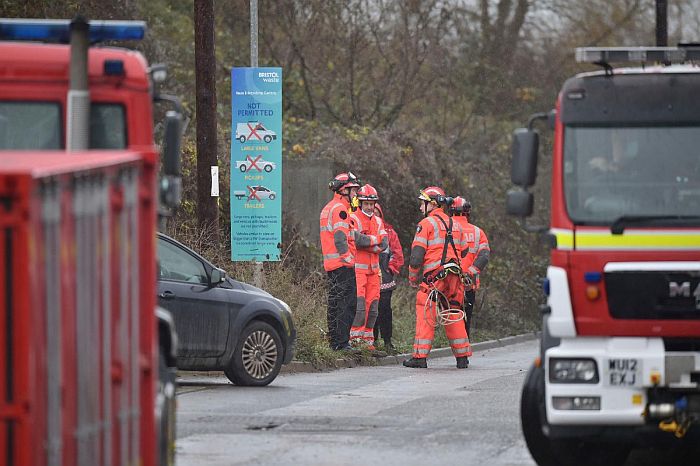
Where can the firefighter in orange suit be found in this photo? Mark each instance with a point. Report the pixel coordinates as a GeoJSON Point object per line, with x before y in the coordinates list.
{"type": "Point", "coordinates": [434, 268]}
{"type": "Point", "coordinates": [338, 247]}
{"type": "Point", "coordinates": [477, 257]}
{"type": "Point", "coordinates": [370, 240]}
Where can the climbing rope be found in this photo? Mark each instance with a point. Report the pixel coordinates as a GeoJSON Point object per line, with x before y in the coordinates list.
{"type": "Point", "coordinates": [434, 306]}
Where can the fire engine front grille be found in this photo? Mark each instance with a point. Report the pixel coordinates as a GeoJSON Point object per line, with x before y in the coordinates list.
{"type": "Point", "coordinates": [662, 295]}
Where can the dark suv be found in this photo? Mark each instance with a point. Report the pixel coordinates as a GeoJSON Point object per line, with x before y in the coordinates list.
{"type": "Point", "coordinates": [221, 323]}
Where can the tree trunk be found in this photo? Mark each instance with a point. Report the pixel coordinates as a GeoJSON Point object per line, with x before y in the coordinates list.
{"type": "Point", "coordinates": [205, 75]}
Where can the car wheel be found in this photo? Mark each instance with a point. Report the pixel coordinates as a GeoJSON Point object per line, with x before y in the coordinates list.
{"type": "Point", "coordinates": [165, 412]}
{"type": "Point", "coordinates": [242, 139]}
{"type": "Point", "coordinates": [268, 168]}
{"type": "Point", "coordinates": [272, 197]}
{"type": "Point", "coordinates": [268, 139]}
{"type": "Point", "coordinates": [244, 168]}
{"type": "Point", "coordinates": [258, 356]}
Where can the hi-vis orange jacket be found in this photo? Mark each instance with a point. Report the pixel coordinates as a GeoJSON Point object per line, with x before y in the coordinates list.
{"type": "Point", "coordinates": [429, 244]}
{"type": "Point", "coordinates": [478, 249]}
{"type": "Point", "coordinates": [337, 234]}
{"type": "Point", "coordinates": [370, 240]}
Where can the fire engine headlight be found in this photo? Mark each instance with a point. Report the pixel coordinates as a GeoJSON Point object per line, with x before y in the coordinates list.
{"type": "Point", "coordinates": [573, 371]}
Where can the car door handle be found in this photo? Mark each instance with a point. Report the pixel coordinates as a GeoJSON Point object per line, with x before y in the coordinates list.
{"type": "Point", "coordinates": [167, 295]}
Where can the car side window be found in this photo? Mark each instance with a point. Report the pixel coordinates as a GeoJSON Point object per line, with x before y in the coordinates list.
{"type": "Point", "coordinates": [176, 264]}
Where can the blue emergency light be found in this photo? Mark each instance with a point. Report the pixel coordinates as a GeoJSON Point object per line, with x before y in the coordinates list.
{"type": "Point", "coordinates": [58, 30]}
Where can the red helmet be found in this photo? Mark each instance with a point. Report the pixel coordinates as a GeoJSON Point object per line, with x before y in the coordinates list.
{"type": "Point", "coordinates": [432, 194]}
{"type": "Point", "coordinates": [343, 180]}
{"type": "Point", "coordinates": [458, 205]}
{"type": "Point", "coordinates": [367, 193]}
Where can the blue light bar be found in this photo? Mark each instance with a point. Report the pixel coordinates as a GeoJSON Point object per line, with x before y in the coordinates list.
{"type": "Point", "coordinates": [58, 30]}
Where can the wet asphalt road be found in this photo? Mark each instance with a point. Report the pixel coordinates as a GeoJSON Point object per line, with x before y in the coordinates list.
{"type": "Point", "coordinates": [388, 415]}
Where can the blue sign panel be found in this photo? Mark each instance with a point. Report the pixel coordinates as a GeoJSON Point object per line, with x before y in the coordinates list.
{"type": "Point", "coordinates": [256, 164]}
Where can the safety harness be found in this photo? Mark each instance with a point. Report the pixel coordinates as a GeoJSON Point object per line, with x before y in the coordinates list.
{"type": "Point", "coordinates": [444, 313]}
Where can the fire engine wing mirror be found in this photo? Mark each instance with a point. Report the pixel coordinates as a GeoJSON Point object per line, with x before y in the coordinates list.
{"type": "Point", "coordinates": [217, 276]}
{"type": "Point", "coordinates": [519, 203]}
{"type": "Point", "coordinates": [171, 183]}
{"type": "Point", "coordinates": [524, 164]}
{"type": "Point", "coordinates": [172, 143]}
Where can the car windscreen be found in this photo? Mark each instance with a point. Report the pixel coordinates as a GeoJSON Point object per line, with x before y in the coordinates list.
{"type": "Point", "coordinates": [37, 126]}
{"type": "Point", "coordinates": [639, 172]}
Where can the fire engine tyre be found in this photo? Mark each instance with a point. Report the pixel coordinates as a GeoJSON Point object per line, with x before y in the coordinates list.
{"type": "Point", "coordinates": [556, 452]}
{"type": "Point", "coordinates": [165, 412]}
{"type": "Point", "coordinates": [242, 139]}
{"type": "Point", "coordinates": [268, 168]}
{"type": "Point", "coordinates": [531, 419]}
{"type": "Point", "coordinates": [258, 356]}
{"type": "Point", "coordinates": [267, 139]}
{"type": "Point", "coordinates": [272, 197]}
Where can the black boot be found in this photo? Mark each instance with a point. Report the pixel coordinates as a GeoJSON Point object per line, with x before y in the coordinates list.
{"type": "Point", "coordinates": [389, 347]}
{"type": "Point", "coordinates": [419, 363]}
{"type": "Point", "coordinates": [463, 362]}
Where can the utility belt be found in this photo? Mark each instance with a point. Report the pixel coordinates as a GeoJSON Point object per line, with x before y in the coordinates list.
{"type": "Point", "coordinates": [442, 271]}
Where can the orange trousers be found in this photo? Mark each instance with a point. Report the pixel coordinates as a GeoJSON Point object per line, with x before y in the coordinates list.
{"type": "Point", "coordinates": [453, 289]}
{"type": "Point", "coordinates": [367, 307]}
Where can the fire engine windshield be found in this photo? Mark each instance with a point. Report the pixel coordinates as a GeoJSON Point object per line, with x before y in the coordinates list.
{"type": "Point", "coordinates": [639, 172]}
{"type": "Point", "coordinates": [37, 125]}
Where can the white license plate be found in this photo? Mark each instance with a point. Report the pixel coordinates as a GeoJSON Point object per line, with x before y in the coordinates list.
{"type": "Point", "coordinates": [623, 372]}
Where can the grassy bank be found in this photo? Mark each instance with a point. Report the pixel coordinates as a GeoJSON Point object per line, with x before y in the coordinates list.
{"type": "Point", "coordinates": [302, 284]}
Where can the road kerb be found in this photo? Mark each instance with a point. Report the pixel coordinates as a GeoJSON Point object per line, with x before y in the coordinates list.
{"type": "Point", "coordinates": [297, 367]}
{"type": "Point", "coordinates": [342, 363]}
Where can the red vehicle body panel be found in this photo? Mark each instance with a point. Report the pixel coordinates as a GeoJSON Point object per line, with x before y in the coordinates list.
{"type": "Point", "coordinates": [40, 72]}
{"type": "Point", "coordinates": [591, 317]}
{"type": "Point", "coordinates": [78, 341]}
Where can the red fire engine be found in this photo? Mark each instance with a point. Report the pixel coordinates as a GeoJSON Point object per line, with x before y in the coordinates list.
{"type": "Point", "coordinates": [620, 349]}
{"type": "Point", "coordinates": [87, 360]}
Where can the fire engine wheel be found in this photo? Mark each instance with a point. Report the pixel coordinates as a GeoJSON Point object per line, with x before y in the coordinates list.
{"type": "Point", "coordinates": [532, 419]}
{"type": "Point", "coordinates": [554, 452]}
{"type": "Point", "coordinates": [268, 139]}
{"type": "Point", "coordinates": [165, 412]}
{"type": "Point", "coordinates": [258, 356]}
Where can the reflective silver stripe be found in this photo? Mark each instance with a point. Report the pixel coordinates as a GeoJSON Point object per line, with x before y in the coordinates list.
{"type": "Point", "coordinates": [418, 341]}
{"type": "Point", "coordinates": [484, 246]}
{"type": "Point", "coordinates": [477, 235]}
{"type": "Point", "coordinates": [331, 256]}
{"type": "Point", "coordinates": [460, 350]}
{"type": "Point", "coordinates": [433, 242]}
{"type": "Point", "coordinates": [473, 250]}
{"type": "Point", "coordinates": [347, 259]}
{"type": "Point", "coordinates": [459, 340]}
{"type": "Point", "coordinates": [340, 224]}
{"type": "Point", "coordinates": [375, 266]}
{"type": "Point", "coordinates": [325, 229]}
{"type": "Point", "coordinates": [421, 351]}
{"type": "Point", "coordinates": [420, 239]}
{"type": "Point", "coordinates": [431, 265]}
{"type": "Point", "coordinates": [361, 266]}
{"type": "Point", "coordinates": [358, 221]}
{"type": "Point", "coordinates": [436, 228]}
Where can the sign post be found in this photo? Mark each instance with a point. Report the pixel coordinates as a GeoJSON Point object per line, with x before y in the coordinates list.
{"type": "Point", "coordinates": [256, 164]}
